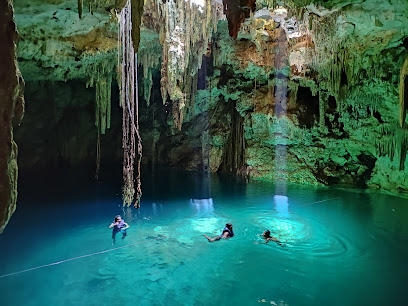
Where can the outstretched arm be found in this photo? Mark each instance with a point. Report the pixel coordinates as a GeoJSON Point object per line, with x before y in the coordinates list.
{"type": "Point", "coordinates": [275, 240]}
{"type": "Point", "coordinates": [267, 240]}
{"type": "Point", "coordinates": [261, 242]}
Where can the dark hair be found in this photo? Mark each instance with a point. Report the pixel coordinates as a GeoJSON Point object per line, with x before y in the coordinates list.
{"type": "Point", "coordinates": [267, 234]}
{"type": "Point", "coordinates": [229, 227]}
{"type": "Point", "coordinates": [116, 218]}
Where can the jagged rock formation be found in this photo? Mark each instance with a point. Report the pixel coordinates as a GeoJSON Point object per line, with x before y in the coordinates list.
{"type": "Point", "coordinates": [185, 31]}
{"type": "Point", "coordinates": [56, 45]}
{"type": "Point", "coordinates": [236, 12]}
{"type": "Point", "coordinates": [337, 126]}
{"type": "Point", "coordinates": [318, 105]}
{"type": "Point", "coordinates": [11, 112]}
{"type": "Point", "coordinates": [300, 92]}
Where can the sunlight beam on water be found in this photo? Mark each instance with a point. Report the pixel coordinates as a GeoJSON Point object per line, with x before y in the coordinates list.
{"type": "Point", "coordinates": [207, 225]}
{"type": "Point", "coordinates": [203, 205]}
{"type": "Point", "coordinates": [205, 222]}
{"type": "Point", "coordinates": [171, 262]}
{"type": "Point", "coordinates": [281, 204]}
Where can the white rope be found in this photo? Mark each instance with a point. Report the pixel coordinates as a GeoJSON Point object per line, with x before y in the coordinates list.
{"type": "Point", "coordinates": [110, 250]}
{"type": "Point", "coordinates": [320, 201]}
{"type": "Point", "coordinates": [75, 258]}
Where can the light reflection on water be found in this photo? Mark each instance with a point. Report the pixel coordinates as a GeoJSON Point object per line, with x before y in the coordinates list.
{"type": "Point", "coordinates": [332, 252]}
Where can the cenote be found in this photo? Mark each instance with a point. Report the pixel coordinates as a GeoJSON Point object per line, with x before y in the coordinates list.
{"type": "Point", "coordinates": [339, 247]}
{"type": "Point", "coordinates": [188, 129]}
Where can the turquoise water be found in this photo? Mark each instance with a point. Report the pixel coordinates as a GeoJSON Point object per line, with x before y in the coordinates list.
{"type": "Point", "coordinates": [339, 247]}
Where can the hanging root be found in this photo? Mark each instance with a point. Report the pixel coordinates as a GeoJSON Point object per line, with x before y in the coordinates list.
{"type": "Point", "coordinates": [98, 155]}
{"type": "Point", "coordinates": [129, 103]}
{"type": "Point", "coordinates": [403, 97]}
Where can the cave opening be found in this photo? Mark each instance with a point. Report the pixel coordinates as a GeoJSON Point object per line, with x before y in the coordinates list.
{"type": "Point", "coordinates": [60, 131]}
{"type": "Point", "coordinates": [331, 104]}
{"type": "Point", "coordinates": [307, 107]}
{"type": "Point", "coordinates": [233, 158]}
{"type": "Point", "coordinates": [221, 146]}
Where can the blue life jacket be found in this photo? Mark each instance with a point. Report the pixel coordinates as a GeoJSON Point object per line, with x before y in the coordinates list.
{"type": "Point", "coordinates": [118, 227]}
{"type": "Point", "coordinates": [226, 229]}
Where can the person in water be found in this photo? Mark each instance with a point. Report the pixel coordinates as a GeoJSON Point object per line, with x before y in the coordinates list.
{"type": "Point", "coordinates": [267, 236]}
{"type": "Point", "coordinates": [227, 233]}
{"type": "Point", "coordinates": [119, 225]}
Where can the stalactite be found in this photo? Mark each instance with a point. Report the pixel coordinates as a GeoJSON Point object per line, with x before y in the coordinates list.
{"type": "Point", "coordinates": [92, 5]}
{"type": "Point", "coordinates": [80, 7]}
{"type": "Point", "coordinates": [148, 59]}
{"type": "Point", "coordinates": [129, 103]}
{"type": "Point", "coordinates": [403, 97]}
{"type": "Point", "coordinates": [236, 12]}
{"type": "Point", "coordinates": [101, 77]}
{"type": "Point", "coordinates": [266, 3]}
{"type": "Point", "coordinates": [394, 141]}
{"type": "Point", "coordinates": [326, 42]}
{"type": "Point", "coordinates": [193, 89]}
{"type": "Point", "coordinates": [185, 32]}
{"type": "Point", "coordinates": [136, 15]}
{"type": "Point", "coordinates": [233, 159]}
{"type": "Point", "coordinates": [322, 108]}
{"type": "Point", "coordinates": [292, 86]}
{"type": "Point", "coordinates": [362, 97]}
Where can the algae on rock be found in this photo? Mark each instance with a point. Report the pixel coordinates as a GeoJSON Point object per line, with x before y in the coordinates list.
{"type": "Point", "coordinates": [185, 32]}
{"type": "Point", "coordinates": [11, 110]}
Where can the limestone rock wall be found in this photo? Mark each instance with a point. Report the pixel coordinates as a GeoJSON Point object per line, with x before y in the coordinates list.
{"type": "Point", "coordinates": [302, 93]}
{"type": "Point", "coordinates": [11, 111]}
{"type": "Point", "coordinates": [318, 91]}
{"type": "Point", "coordinates": [55, 44]}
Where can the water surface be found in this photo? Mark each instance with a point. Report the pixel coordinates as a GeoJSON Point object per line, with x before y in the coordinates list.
{"type": "Point", "coordinates": [339, 247]}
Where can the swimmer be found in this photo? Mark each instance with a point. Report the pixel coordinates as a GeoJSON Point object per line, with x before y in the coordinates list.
{"type": "Point", "coordinates": [119, 225]}
{"type": "Point", "coordinates": [267, 236]}
{"type": "Point", "coordinates": [227, 233]}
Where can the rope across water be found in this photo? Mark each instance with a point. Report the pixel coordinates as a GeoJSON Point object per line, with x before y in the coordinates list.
{"type": "Point", "coordinates": [114, 249]}
{"type": "Point", "coordinates": [320, 201]}
{"type": "Point", "coordinates": [78, 257]}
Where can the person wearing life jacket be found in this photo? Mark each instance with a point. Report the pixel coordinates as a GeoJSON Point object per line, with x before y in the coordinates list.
{"type": "Point", "coordinates": [227, 233]}
{"type": "Point", "coordinates": [119, 225]}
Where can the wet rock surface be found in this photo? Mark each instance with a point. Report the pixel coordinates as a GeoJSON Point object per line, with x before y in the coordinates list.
{"type": "Point", "coordinates": [316, 89]}
{"type": "Point", "coordinates": [11, 112]}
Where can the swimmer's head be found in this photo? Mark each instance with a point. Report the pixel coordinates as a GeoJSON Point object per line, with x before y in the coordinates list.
{"type": "Point", "coordinates": [267, 234]}
{"type": "Point", "coordinates": [229, 226]}
{"type": "Point", "coordinates": [118, 218]}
